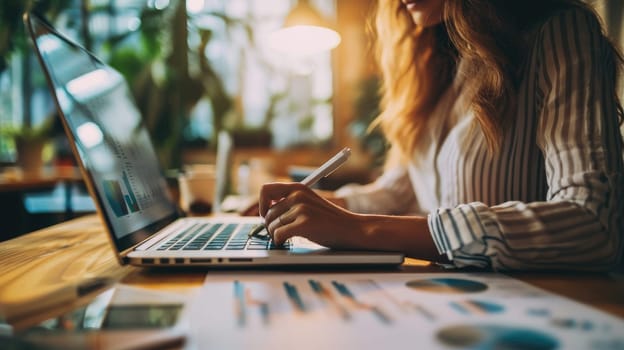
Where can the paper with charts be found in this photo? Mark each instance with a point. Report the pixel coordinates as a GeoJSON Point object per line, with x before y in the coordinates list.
{"type": "Point", "coordinates": [373, 311]}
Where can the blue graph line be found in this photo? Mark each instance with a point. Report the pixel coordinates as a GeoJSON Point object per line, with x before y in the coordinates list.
{"type": "Point", "coordinates": [294, 296]}
{"type": "Point", "coordinates": [239, 294]}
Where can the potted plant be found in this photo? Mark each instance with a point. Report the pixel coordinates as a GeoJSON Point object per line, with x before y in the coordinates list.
{"type": "Point", "coordinates": [30, 142]}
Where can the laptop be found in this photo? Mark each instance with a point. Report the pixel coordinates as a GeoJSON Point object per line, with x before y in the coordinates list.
{"type": "Point", "coordinates": [123, 176]}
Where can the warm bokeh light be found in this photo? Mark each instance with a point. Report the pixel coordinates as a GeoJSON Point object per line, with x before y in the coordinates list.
{"type": "Point", "coordinates": [301, 40]}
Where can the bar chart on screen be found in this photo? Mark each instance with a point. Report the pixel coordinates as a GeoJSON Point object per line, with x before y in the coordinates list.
{"type": "Point", "coordinates": [436, 311]}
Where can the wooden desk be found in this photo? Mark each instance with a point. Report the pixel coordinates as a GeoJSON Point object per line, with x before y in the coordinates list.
{"type": "Point", "coordinates": [45, 260]}
{"type": "Point", "coordinates": [14, 180]}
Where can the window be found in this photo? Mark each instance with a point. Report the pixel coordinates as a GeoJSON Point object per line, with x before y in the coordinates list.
{"type": "Point", "coordinates": [244, 86]}
{"type": "Point", "coordinates": [288, 96]}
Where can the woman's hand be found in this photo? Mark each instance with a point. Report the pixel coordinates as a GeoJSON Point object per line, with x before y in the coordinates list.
{"type": "Point", "coordinates": [292, 209]}
{"type": "Point", "coordinates": [253, 208]}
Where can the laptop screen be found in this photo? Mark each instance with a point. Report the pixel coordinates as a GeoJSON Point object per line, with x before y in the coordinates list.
{"type": "Point", "coordinates": [108, 135]}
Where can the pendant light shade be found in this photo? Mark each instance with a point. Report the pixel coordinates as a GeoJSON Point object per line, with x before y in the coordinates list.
{"type": "Point", "coordinates": [305, 32]}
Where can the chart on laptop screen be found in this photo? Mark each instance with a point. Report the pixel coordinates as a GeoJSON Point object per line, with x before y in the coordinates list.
{"type": "Point", "coordinates": [433, 311]}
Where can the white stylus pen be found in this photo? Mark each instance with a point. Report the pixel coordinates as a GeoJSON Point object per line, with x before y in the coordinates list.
{"type": "Point", "coordinates": [323, 171]}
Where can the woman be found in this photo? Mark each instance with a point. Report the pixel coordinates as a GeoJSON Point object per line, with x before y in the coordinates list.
{"type": "Point", "coordinates": [503, 122]}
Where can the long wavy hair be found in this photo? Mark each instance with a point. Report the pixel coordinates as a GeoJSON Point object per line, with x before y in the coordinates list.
{"type": "Point", "coordinates": [483, 41]}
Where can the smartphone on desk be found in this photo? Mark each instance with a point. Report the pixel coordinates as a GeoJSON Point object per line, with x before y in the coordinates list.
{"type": "Point", "coordinates": [122, 317]}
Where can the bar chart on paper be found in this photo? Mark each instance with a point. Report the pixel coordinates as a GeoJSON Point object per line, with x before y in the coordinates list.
{"type": "Point", "coordinates": [435, 311]}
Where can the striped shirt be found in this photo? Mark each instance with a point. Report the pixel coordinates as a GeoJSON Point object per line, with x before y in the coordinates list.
{"type": "Point", "coordinates": [551, 198]}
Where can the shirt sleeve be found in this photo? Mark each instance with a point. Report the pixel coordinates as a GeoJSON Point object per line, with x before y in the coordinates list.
{"type": "Point", "coordinates": [579, 225]}
{"type": "Point", "coordinates": [390, 194]}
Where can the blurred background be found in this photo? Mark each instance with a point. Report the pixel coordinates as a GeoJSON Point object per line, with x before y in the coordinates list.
{"type": "Point", "coordinates": [290, 81]}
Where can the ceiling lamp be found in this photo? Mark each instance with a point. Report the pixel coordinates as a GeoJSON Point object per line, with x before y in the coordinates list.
{"type": "Point", "coordinates": [305, 32]}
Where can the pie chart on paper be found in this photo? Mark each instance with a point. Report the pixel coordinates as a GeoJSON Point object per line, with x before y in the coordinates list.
{"type": "Point", "coordinates": [447, 285]}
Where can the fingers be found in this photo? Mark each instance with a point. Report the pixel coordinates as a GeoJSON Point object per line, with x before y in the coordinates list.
{"type": "Point", "coordinates": [277, 217]}
{"type": "Point", "coordinates": [279, 208]}
{"type": "Point", "coordinates": [290, 209]}
{"type": "Point", "coordinates": [283, 205]}
{"type": "Point", "coordinates": [274, 192]}
{"type": "Point", "coordinates": [284, 231]}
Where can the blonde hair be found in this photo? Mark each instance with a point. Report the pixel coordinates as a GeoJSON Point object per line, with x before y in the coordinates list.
{"type": "Point", "coordinates": [408, 57]}
{"type": "Point", "coordinates": [418, 64]}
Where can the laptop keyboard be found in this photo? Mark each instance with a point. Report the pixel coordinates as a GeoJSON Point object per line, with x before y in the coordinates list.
{"type": "Point", "coordinates": [219, 237]}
